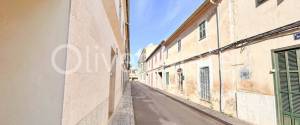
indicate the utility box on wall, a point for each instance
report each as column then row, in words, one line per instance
column 245, row 73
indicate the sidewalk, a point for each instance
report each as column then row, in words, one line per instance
column 124, row 113
column 215, row 114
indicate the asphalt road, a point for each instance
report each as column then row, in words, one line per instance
column 153, row 108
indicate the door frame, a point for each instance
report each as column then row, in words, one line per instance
column 112, row 83
column 276, row 80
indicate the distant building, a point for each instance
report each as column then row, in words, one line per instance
column 238, row 57
column 133, row 75
column 154, row 66
column 142, row 65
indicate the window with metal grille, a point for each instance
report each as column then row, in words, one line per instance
column 179, row 45
column 202, row 30
column 204, row 83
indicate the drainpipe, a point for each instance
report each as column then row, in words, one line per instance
column 219, row 56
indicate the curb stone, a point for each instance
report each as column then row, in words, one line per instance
column 124, row 114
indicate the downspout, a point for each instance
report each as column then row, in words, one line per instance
column 219, row 56
column 232, row 38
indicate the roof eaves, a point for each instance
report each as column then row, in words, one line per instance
column 187, row 21
column 160, row 44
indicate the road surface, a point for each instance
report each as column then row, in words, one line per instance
column 153, row 108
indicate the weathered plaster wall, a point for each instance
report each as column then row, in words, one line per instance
column 257, row 59
column 259, row 113
column 238, row 20
column 87, row 90
column 191, row 44
column 244, row 21
column 249, row 20
column 31, row 91
column 191, row 81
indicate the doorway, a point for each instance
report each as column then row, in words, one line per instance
column 167, row 78
column 180, row 79
column 112, row 83
column 287, row 75
column 160, row 80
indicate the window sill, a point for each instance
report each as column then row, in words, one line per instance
column 201, row 39
column 204, row 100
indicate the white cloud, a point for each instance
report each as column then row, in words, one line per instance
column 150, row 44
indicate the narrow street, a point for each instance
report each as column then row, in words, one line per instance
column 154, row 108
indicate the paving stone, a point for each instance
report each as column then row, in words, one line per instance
column 124, row 113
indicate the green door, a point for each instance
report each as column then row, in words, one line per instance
column 287, row 63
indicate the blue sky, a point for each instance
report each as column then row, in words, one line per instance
column 152, row 21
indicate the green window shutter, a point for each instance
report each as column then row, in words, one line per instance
column 294, row 80
column 296, row 103
column 281, row 61
column 167, row 78
column 284, row 88
column 292, row 58
column 289, row 85
column 285, row 102
column 202, row 30
column 283, row 81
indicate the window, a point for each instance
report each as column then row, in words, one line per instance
column 179, row 45
column 259, row 2
column 204, row 84
column 167, row 78
column 167, row 54
column 160, row 55
column 202, row 30
column 151, row 63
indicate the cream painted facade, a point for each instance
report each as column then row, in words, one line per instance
column 238, row 49
column 142, row 64
column 32, row 91
column 154, row 63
